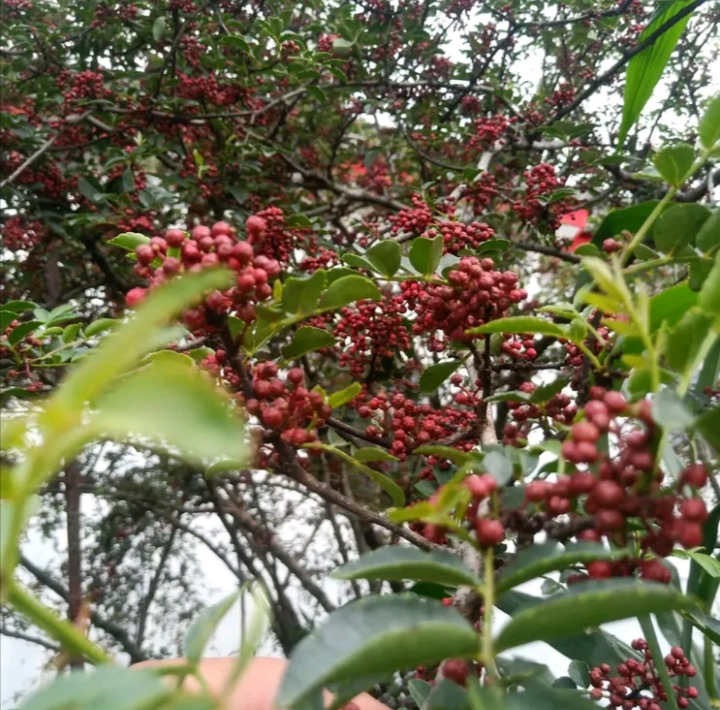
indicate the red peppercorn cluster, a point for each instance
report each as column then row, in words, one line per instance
column 408, row 423
column 321, row 259
column 415, row 220
column 481, row 192
column 18, row 235
column 475, row 295
column 540, row 181
column 458, row 236
column 287, row 406
column 271, row 237
column 373, row 331
column 325, row 43
column 637, row 683
column 487, row 131
column 574, row 355
column 207, row 247
column 624, row 486
column 518, row 348
column 82, row 85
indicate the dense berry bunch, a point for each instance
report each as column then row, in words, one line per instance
column 207, row 247
column 476, row 294
column 371, row 331
column 287, row 406
column 271, row 237
column 17, row 235
column 619, row 489
column 540, row 182
column 415, row 220
column 458, row 236
column 487, row 131
column 407, row 423
column 637, row 683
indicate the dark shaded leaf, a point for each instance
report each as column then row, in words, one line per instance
column 375, row 635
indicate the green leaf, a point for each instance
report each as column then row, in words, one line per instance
column 520, row 324
column 106, row 688
column 698, row 272
column 645, row 68
column 18, row 307
column 71, row 332
column 580, row 673
column 425, row 254
column 498, row 466
column 591, row 604
column 375, row 635
column 396, row 494
column 359, row 261
column 395, row 563
column 674, row 163
column 708, row 563
column 343, row 396
column 709, row 298
column 627, row 219
column 444, row 452
column 237, row 42
column 592, row 648
column 373, row 453
column 433, row 376
column 22, row 331
column 538, row 696
column 172, row 405
column 129, row 240
column 122, row 348
column 305, row 340
column 349, row 289
column 100, row 325
column 708, row 625
column 538, row 560
column 91, row 189
column 301, row 296
column 678, row 226
column 158, row 28
column 204, row 626
column 669, row 411
column 544, row 393
column 685, row 339
column 709, row 127
column 708, row 238
column 419, row 690
column 385, row 256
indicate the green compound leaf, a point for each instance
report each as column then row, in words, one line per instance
column 305, row 340
column 172, row 405
column 204, row 626
column 374, row 636
column 520, row 324
column 539, row 560
column 645, row 69
column 590, row 605
column 400, row 563
column 349, row 289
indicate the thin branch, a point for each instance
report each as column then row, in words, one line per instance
column 4, row 631
column 593, row 86
column 29, row 161
column 117, row 632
